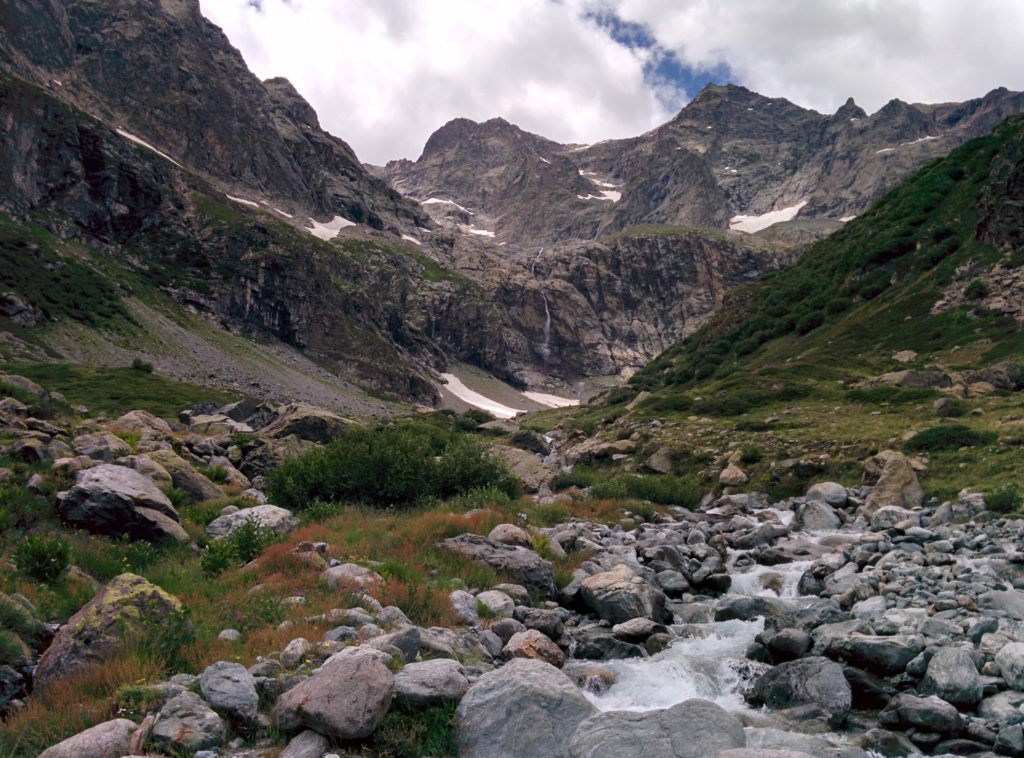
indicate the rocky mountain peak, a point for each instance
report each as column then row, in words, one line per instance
column 849, row 110
column 284, row 94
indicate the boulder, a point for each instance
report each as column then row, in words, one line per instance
column 128, row 609
column 187, row 723
column 524, row 708
column 270, row 453
column 272, row 517
column 116, row 500
column 307, row 744
column 817, row 516
column 691, row 729
column 101, row 447
column 231, row 691
column 829, row 492
column 534, row 644
column 886, row 656
column 510, row 534
column 464, row 607
column 150, row 468
column 345, row 700
column 928, row 714
column 525, row 566
column 896, row 483
column 953, row 676
column 1010, row 662
column 620, row 595
column 307, row 423
column 888, row 516
column 104, row 740
column 637, row 630
column 185, row 477
column 422, row 685
column 498, row 603
column 143, row 423
column 808, row 681
column 351, row 577
column 528, row 467
column 732, row 476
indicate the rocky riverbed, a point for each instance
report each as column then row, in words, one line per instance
column 844, row 622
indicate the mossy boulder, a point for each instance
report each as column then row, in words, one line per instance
column 129, row 610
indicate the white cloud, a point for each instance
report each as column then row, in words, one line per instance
column 383, row 75
column 819, row 53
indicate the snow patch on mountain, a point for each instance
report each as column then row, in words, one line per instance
column 329, row 230
column 454, row 385
column 139, row 141
column 751, row 224
column 432, row 200
column 243, row 201
column 551, row 401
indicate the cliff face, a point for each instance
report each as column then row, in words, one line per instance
column 730, row 152
column 159, row 70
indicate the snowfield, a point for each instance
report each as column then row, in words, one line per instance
column 138, row 141
column 751, row 224
column 551, row 401
column 454, row 385
column 329, row 230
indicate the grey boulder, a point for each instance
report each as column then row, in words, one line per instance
column 421, row 685
column 231, row 691
column 186, row 722
column 271, row 517
column 107, row 739
column 691, row 729
column 953, row 676
column 116, row 500
column 807, row 681
column 345, row 700
column 526, row 707
column 525, row 566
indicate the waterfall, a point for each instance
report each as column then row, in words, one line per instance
column 533, row 266
column 545, row 349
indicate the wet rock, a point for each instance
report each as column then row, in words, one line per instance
column 808, row 681
column 535, row 645
column 637, row 630
column 930, row 714
column 817, row 516
column 691, row 729
column 829, row 492
column 620, row 595
column 953, row 676
column 887, row 656
column 547, row 706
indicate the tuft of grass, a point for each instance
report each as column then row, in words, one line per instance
column 951, row 437
column 1006, row 499
column 42, row 558
column 408, row 733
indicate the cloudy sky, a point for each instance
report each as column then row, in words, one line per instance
column 384, row 74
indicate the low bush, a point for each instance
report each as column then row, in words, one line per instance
column 750, row 454
column 1006, row 499
column 952, row 437
column 12, row 650
column 141, row 366
column 402, row 464
column 216, row 474
column 976, row 290
column 244, row 544
column 219, row 557
column 22, row 509
column 664, row 489
column 42, row 558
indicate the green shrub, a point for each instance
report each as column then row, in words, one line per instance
column 22, row 509
column 141, row 366
column 250, row 538
column 44, row 559
column 1006, row 499
column 139, row 554
column 220, row 555
column 178, row 497
column 216, row 474
column 976, row 290
column 134, row 701
column 750, row 454
column 894, row 395
column 952, row 437
column 415, row 733
column 17, row 619
column 402, row 464
column 664, row 489
column 12, row 650
column 578, row 476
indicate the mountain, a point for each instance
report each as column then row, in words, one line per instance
column 190, row 214
column 902, row 330
column 729, row 153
